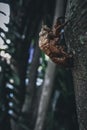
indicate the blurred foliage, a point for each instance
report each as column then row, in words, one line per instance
column 9, row 80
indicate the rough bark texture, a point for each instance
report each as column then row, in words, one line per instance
column 76, row 37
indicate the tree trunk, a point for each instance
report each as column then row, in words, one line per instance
column 45, row 96
column 31, row 88
column 76, row 37
column 49, row 76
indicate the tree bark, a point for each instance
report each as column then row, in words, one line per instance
column 76, row 37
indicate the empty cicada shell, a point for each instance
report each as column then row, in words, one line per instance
column 49, row 44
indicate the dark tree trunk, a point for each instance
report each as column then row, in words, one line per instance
column 30, row 98
column 76, row 37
